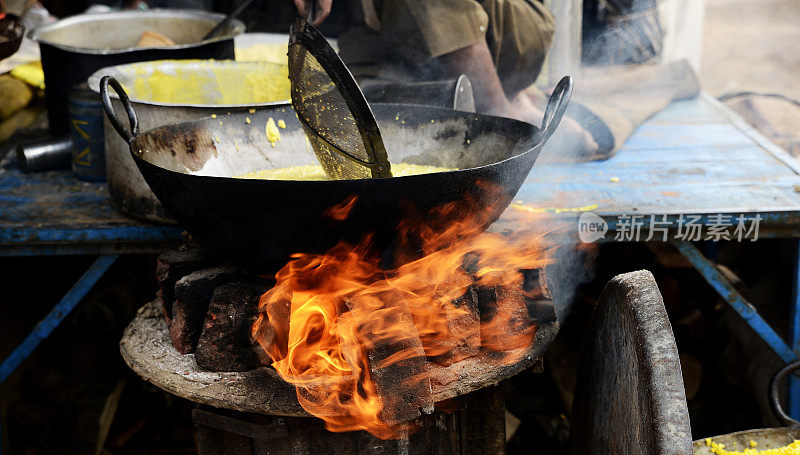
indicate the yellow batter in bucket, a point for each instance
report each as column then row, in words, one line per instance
column 209, row 82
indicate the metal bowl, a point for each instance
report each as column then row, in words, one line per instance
column 119, row 32
column 75, row 47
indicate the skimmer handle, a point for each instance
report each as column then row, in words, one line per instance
column 312, row 8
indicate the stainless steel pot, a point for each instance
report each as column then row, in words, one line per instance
column 129, row 192
column 75, row 47
column 764, row 438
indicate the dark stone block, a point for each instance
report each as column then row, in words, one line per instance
column 538, row 296
column 225, row 343
column 192, row 296
column 173, row 265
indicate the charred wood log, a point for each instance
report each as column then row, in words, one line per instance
column 464, row 331
column 400, row 372
column 504, row 315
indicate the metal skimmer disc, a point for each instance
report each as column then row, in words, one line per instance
column 338, row 121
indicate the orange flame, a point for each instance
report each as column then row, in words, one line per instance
column 359, row 341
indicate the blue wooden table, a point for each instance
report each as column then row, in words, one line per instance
column 53, row 213
column 696, row 164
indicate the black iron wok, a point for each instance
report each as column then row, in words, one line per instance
column 190, row 167
column 11, row 33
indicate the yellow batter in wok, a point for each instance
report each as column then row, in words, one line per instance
column 315, row 172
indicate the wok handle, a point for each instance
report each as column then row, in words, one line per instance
column 774, row 396
column 126, row 103
column 556, row 106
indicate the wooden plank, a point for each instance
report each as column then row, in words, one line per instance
column 666, row 199
column 55, row 213
column 55, row 199
column 690, row 111
column 694, row 157
column 630, row 397
column 681, row 136
column 754, row 134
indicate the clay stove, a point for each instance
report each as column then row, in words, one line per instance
column 194, row 341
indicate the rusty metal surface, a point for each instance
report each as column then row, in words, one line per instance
column 630, row 397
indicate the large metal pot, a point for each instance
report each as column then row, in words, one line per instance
column 129, row 192
column 77, row 46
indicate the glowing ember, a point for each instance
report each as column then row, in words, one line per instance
column 358, row 341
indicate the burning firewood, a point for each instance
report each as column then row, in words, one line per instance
column 505, row 321
column 502, row 302
column 364, row 334
column 464, row 329
column 399, row 369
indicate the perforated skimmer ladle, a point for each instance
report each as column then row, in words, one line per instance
column 335, row 115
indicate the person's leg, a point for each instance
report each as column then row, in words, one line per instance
column 406, row 37
column 416, row 40
column 519, row 35
column 375, row 62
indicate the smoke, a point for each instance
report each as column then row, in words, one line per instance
column 619, row 32
column 570, row 261
column 571, row 267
